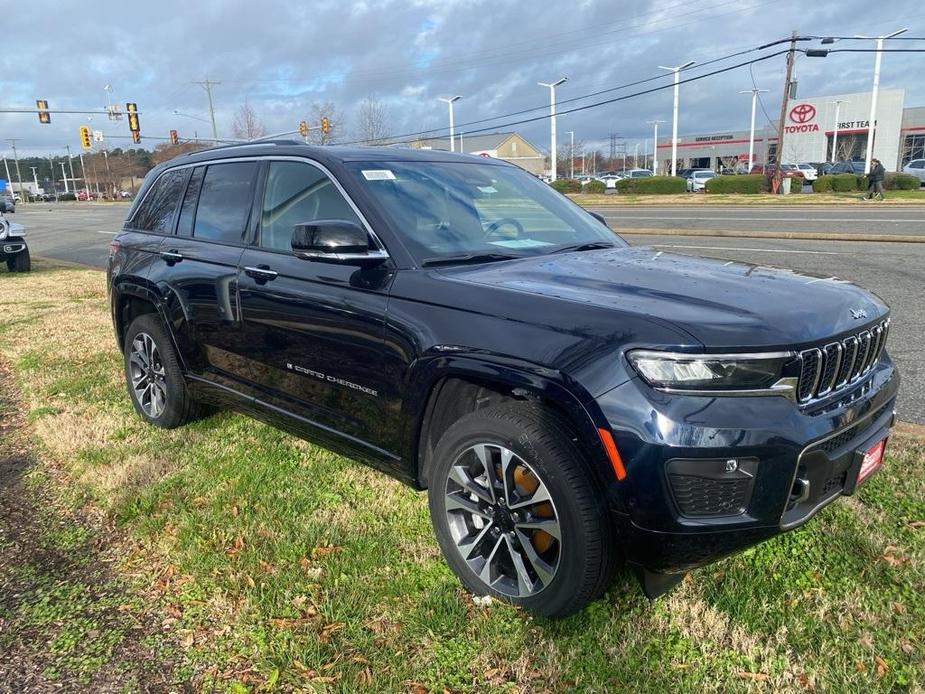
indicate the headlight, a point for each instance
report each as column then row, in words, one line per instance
column 720, row 372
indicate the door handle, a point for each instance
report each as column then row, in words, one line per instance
column 261, row 273
column 171, row 257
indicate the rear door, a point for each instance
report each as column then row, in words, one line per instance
column 198, row 268
column 313, row 330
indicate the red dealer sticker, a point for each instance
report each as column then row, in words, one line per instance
column 873, row 458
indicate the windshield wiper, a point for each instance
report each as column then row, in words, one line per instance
column 469, row 258
column 590, row 246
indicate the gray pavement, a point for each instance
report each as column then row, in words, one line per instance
column 869, row 218
column 80, row 232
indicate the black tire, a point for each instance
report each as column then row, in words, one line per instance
column 178, row 407
column 21, row 262
column 586, row 554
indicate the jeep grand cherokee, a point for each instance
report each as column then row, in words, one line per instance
column 566, row 400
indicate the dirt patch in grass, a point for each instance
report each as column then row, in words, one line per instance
column 67, row 623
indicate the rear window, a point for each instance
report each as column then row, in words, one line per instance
column 157, row 210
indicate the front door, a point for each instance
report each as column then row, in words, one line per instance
column 313, row 330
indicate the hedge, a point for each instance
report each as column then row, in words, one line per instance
column 750, row 184
column 657, row 185
column 844, row 183
column 596, row 187
column 902, row 181
column 566, row 185
column 823, row 184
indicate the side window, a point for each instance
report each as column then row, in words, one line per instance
column 188, row 209
column 225, row 201
column 920, row 164
column 156, row 211
column 297, row 193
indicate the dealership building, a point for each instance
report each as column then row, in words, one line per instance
column 810, row 131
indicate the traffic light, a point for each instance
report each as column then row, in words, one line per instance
column 174, row 138
column 303, row 128
column 44, row 115
column 86, row 140
column 325, row 125
column 134, row 124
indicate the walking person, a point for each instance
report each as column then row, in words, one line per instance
column 875, row 180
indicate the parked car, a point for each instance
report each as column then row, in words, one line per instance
column 809, row 172
column 786, row 170
column 686, row 173
column 697, row 181
column 13, row 248
column 822, row 167
column 610, row 179
column 564, row 398
column 7, row 201
column 916, row 167
column 855, row 167
column 637, row 173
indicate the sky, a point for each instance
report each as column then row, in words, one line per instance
column 280, row 57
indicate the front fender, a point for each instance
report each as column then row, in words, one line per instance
column 524, row 381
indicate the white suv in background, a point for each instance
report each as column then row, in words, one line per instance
column 809, row 171
column 916, row 167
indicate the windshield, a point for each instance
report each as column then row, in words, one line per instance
column 446, row 210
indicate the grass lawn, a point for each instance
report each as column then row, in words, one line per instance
column 279, row 566
column 893, row 197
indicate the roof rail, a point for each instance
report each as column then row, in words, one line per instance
column 234, row 145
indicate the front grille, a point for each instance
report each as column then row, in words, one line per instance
column 840, row 364
column 701, row 496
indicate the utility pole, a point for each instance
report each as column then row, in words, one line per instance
column 83, row 170
column 207, row 84
column 51, row 162
column 775, row 182
column 64, row 176
column 16, row 159
column 571, row 153
column 109, row 172
column 70, row 164
column 7, row 167
column 35, row 178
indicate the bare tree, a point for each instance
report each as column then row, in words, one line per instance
column 337, row 124
column 246, row 125
column 373, row 122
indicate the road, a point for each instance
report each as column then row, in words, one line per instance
column 849, row 219
column 80, row 232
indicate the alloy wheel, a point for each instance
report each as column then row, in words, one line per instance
column 503, row 520
column 148, row 377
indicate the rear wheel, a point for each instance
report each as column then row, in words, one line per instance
column 516, row 512
column 154, row 376
column 21, row 262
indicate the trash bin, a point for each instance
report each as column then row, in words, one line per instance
column 785, row 185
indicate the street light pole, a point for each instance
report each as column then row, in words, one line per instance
column 655, row 147
column 751, row 137
column 838, row 103
column 64, row 176
column 874, row 92
column 449, row 102
column 674, row 115
column 552, row 123
column 70, row 164
column 571, row 154
column 16, row 159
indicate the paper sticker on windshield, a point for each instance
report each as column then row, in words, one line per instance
column 488, row 189
column 378, row 175
column 520, row 243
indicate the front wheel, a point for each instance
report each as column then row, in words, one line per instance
column 21, row 262
column 516, row 512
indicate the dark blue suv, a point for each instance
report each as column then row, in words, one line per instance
column 569, row 402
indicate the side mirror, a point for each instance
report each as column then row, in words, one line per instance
column 335, row 241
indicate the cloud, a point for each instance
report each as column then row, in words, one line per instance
column 283, row 56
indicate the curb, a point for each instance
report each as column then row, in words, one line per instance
column 794, row 235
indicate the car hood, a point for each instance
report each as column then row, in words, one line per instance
column 722, row 304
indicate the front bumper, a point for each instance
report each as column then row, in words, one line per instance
column 709, row 476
